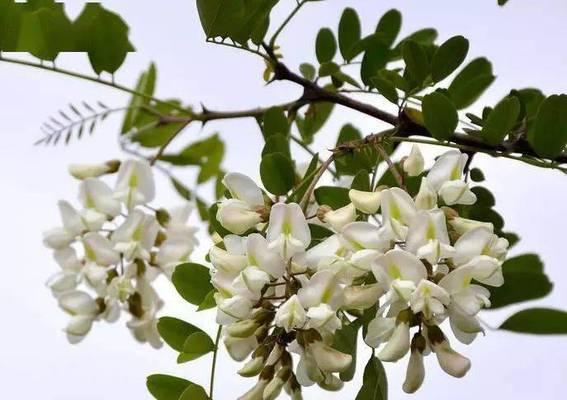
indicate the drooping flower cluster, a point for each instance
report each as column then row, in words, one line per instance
column 112, row 249
column 411, row 262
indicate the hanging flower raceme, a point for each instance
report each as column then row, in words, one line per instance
column 408, row 261
column 112, row 249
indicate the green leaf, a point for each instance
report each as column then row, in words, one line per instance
column 448, row 57
column 306, row 180
column 539, row 321
column 10, row 25
column 316, row 116
column 476, row 175
column 333, row 196
column 275, row 122
column 375, row 58
column 308, row 71
column 192, row 281
column 439, row 115
column 148, row 132
column 181, row 189
column 325, row 45
column 374, row 382
column 353, row 162
column 104, row 35
column 425, row 37
column 548, row 136
column 349, row 33
column 502, row 2
column 46, row 32
column 240, row 20
column 345, row 341
column 277, row 173
column 361, row 182
column 215, row 224
column 196, row 345
column 194, row 392
column 417, row 62
column 277, row 144
column 146, row 85
column 166, row 387
column 524, row 280
column 501, row 121
column 328, row 69
column 385, row 87
column 209, row 302
column 389, row 26
column 175, row 331
column 471, row 82
column 318, row 234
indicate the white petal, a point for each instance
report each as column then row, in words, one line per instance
column 323, row 287
column 237, row 216
column 366, row 202
column 329, row 359
column 426, row 198
column 261, row 256
column 398, row 344
column 243, row 188
column 363, row 235
column 414, row 164
column 379, row 330
column 448, row 167
column 96, row 194
column 450, row 361
column 78, row 303
column 239, row 348
column 415, row 373
column 291, row 314
column 341, row 217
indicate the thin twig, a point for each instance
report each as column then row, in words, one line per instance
column 305, row 200
column 214, row 363
column 393, row 169
column 168, row 141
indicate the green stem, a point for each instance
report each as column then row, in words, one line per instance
column 91, row 79
column 214, row 364
column 265, row 57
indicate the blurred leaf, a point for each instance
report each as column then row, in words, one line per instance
column 439, row 115
column 361, row 181
column 375, row 58
column 146, row 84
column 471, row 82
column 448, row 57
column 318, row 234
column 374, row 382
column 417, row 62
column 215, row 224
column 548, row 136
column 325, row 46
column 308, row 71
column 209, row 302
column 192, row 281
column 277, row 173
column 306, row 180
column 166, row 387
column 349, row 33
column 275, row 122
column 476, row 175
column 277, row 144
column 315, row 117
column 104, row 35
column 333, row 196
column 501, row 121
column 539, row 321
column 353, row 162
column 389, row 26
column 385, row 87
column 424, row 37
column 524, row 280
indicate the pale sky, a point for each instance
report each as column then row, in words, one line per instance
column 525, row 42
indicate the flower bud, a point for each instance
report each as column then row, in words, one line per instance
column 464, row 225
column 329, row 359
column 339, row 218
column 275, row 355
column 252, row 367
column 450, row 361
column 416, row 371
column 239, row 348
column 225, row 261
column 366, row 202
column 84, row 171
column 399, row 343
column 274, row 388
column 256, row 393
column 413, row 165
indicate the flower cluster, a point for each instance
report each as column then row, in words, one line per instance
column 112, row 249
column 415, row 265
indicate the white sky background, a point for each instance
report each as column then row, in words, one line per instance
column 525, row 42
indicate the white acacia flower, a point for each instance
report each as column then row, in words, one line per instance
column 323, row 318
column 260, row 255
column 428, row 237
column 479, row 241
column 136, row 236
column 172, row 252
column 323, row 287
column 288, row 231
column 449, row 360
column 364, row 235
column 457, row 192
column 240, row 348
column 380, row 329
column 232, row 309
column 83, row 310
column 99, row 250
column 337, row 219
column 415, row 373
column 73, row 226
column 95, row 195
column 365, row 202
column 464, row 225
column 429, row 299
column 256, row 392
column 250, row 282
column 291, row 314
column 240, row 213
column 398, row 344
column 135, row 183
column 362, row 297
column 176, row 226
column 398, row 265
column 448, row 167
column 145, row 330
column 398, row 211
column 328, row 359
column 413, row 165
column 426, row 198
